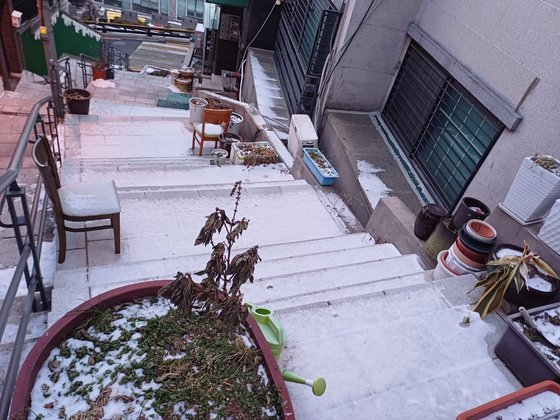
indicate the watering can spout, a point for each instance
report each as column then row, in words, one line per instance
column 318, row 385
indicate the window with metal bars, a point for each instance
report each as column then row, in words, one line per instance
column 306, row 32
column 443, row 129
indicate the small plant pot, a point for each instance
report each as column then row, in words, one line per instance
column 479, row 258
column 227, row 139
column 458, row 266
column 482, row 248
column 509, row 401
column 235, row 123
column 441, row 239
column 99, row 72
column 196, row 109
column 442, row 271
column 481, row 231
column 525, row 357
column 469, row 208
column 78, row 101
column 427, row 220
column 474, row 265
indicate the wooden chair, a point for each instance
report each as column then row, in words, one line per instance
column 214, row 123
column 77, row 202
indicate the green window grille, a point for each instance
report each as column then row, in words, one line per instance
column 443, row 129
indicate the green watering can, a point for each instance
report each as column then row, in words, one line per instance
column 276, row 338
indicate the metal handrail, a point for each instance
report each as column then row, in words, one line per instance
column 28, row 247
column 15, row 163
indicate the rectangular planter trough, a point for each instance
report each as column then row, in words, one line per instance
column 520, row 353
column 319, row 166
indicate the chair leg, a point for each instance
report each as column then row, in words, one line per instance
column 201, row 145
column 61, row 242
column 193, row 140
column 116, row 222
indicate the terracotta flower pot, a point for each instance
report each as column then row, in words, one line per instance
column 481, row 231
column 60, row 330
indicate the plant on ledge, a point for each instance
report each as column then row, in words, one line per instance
column 218, row 295
column 510, row 269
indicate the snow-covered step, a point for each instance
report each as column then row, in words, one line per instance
column 99, row 106
column 268, row 268
column 280, row 291
column 298, row 285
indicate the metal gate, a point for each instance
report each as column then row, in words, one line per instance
column 306, row 32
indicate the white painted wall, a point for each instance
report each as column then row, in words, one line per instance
column 506, row 43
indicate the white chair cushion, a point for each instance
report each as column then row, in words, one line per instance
column 210, row 130
column 87, row 199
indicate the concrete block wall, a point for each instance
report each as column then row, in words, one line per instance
column 513, row 46
column 364, row 74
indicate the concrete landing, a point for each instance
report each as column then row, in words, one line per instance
column 361, row 141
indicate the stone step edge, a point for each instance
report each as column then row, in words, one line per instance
column 122, row 119
column 277, row 276
column 275, row 304
column 206, row 252
column 202, row 189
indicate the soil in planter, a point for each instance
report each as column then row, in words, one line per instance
column 548, row 322
column 256, row 154
column 147, row 360
column 216, row 104
column 324, row 166
column 534, row 407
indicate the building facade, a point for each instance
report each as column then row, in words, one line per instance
column 467, row 89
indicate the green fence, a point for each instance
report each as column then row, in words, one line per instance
column 71, row 38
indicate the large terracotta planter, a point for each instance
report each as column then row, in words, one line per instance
column 58, row 332
column 508, row 400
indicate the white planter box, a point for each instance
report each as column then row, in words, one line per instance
column 532, row 193
column 238, row 153
column 550, row 232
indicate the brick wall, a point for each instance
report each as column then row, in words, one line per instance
column 10, row 39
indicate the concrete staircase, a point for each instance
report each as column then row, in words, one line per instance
column 389, row 340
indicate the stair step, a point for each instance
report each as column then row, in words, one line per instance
column 313, row 283
column 99, row 277
column 327, row 297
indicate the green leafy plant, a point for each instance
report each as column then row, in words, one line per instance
column 507, row 270
column 218, row 295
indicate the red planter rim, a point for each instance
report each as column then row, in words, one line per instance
column 507, row 400
column 55, row 334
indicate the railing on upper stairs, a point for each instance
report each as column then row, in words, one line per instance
column 60, row 80
column 111, row 57
column 28, row 222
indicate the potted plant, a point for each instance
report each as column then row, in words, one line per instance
column 161, row 349
column 534, row 402
column 77, row 101
column 99, row 70
column 527, row 273
column 252, row 154
column 534, row 189
column 530, row 346
column 320, row 167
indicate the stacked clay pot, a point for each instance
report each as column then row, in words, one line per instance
column 472, row 248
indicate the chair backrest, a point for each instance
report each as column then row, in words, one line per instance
column 217, row 116
column 44, row 159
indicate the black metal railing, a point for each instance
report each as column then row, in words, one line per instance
column 111, row 59
column 28, row 224
column 60, row 80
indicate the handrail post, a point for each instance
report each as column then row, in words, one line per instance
column 16, row 191
column 56, row 91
